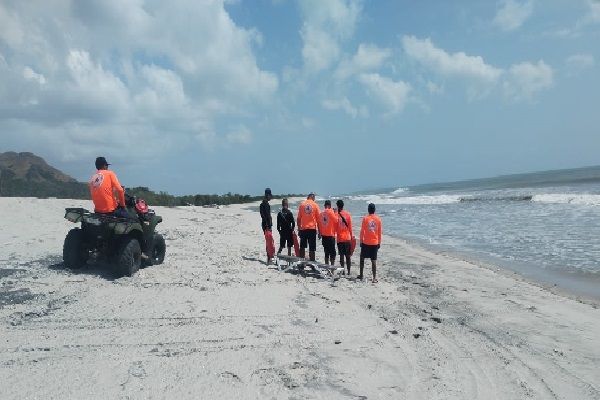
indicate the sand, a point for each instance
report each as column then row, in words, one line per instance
column 214, row 321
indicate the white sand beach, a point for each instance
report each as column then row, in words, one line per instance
column 215, row 322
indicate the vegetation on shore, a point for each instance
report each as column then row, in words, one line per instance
column 165, row 199
column 27, row 175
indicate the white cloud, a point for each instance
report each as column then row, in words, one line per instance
column 130, row 70
column 578, row 62
column 30, row 74
column 525, row 79
column 594, row 13
column 392, row 95
column 457, row 64
column 320, row 49
column 161, row 92
column 239, row 135
column 341, row 104
column 326, row 24
column 92, row 85
column 512, row 14
column 367, row 57
column 591, row 17
column 434, row 88
column 520, row 82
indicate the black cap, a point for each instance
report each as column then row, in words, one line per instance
column 371, row 208
column 101, row 162
column 268, row 192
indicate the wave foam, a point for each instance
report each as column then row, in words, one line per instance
column 400, row 190
column 581, row 199
column 413, row 200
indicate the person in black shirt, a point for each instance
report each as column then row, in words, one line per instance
column 267, row 224
column 285, row 227
column 265, row 211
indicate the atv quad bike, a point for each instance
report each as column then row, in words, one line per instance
column 115, row 240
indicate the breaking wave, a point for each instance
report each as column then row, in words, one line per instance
column 579, row 199
column 587, row 199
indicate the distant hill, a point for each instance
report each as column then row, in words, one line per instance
column 27, row 175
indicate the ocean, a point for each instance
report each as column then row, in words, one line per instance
column 544, row 225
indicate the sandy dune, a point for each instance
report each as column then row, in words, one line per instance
column 215, row 322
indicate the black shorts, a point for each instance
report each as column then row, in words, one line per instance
column 308, row 236
column 343, row 248
column 329, row 246
column 369, row 251
column 286, row 237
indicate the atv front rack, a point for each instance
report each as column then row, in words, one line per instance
column 81, row 214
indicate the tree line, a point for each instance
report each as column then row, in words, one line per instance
column 80, row 191
column 166, row 199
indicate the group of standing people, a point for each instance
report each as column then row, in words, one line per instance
column 331, row 226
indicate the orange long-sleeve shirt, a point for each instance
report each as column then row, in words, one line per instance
column 328, row 220
column 308, row 215
column 344, row 233
column 370, row 230
column 101, row 188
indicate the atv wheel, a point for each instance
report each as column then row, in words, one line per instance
column 159, row 248
column 75, row 251
column 129, row 257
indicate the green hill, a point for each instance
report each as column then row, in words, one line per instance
column 27, row 175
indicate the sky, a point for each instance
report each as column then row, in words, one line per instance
column 330, row 96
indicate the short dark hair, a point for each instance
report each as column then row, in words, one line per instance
column 371, row 208
column 327, row 203
column 340, row 204
column 101, row 162
column 268, row 192
column 284, row 202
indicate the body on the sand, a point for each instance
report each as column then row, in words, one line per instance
column 370, row 241
column 327, row 224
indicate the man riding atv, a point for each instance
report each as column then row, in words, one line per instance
column 103, row 186
column 120, row 233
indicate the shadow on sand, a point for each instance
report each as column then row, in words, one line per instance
column 101, row 270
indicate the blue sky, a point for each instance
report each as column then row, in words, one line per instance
column 212, row 96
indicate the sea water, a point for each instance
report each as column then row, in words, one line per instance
column 544, row 225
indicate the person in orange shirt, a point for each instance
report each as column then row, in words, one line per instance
column 344, row 234
column 307, row 219
column 103, row 186
column 328, row 220
column 370, row 241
